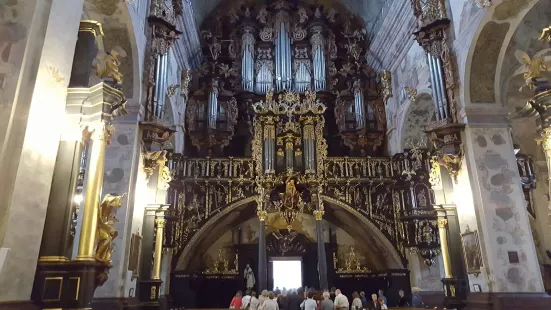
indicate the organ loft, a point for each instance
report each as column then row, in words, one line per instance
column 170, row 154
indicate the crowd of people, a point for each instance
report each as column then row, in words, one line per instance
column 310, row 299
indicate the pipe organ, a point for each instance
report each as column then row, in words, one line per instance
column 285, row 109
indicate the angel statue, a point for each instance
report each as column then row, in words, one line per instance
column 105, row 230
column 532, row 68
column 107, row 65
column 248, row 274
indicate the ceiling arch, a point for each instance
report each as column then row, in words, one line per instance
column 370, row 11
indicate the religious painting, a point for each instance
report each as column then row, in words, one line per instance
column 471, row 250
column 135, row 254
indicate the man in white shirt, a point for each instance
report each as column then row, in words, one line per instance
column 246, row 300
column 341, row 301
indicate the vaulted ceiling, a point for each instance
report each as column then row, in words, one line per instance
column 370, row 11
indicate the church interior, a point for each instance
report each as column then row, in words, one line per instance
column 166, row 154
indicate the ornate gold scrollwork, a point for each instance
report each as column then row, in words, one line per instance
column 448, row 144
column 222, row 262
column 152, row 160
column 352, row 263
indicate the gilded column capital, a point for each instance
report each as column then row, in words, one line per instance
column 92, row 26
column 318, row 214
column 101, row 131
column 262, row 214
column 442, row 223
column 160, row 222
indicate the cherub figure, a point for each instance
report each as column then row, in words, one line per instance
column 107, row 65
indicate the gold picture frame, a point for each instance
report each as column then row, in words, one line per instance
column 135, row 255
column 471, row 251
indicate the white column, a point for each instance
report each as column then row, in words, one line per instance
column 33, row 95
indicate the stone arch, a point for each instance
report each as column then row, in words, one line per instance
column 487, row 53
column 120, row 30
column 245, row 209
column 419, row 114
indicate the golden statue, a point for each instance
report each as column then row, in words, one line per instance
column 291, row 204
column 106, row 231
column 107, row 65
column 532, row 68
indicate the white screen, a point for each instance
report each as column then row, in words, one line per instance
column 287, row 274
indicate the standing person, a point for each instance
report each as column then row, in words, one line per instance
column 403, row 302
column 382, row 295
column 253, row 304
column 236, row 301
column 327, row 303
column 296, row 299
column 270, row 303
column 382, row 304
column 374, row 303
column 356, row 301
column 341, row 301
column 332, row 293
column 309, row 303
column 416, row 299
column 262, row 298
column 245, row 301
column 283, row 300
column 363, row 299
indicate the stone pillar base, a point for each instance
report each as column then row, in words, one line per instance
column 68, row 285
column 149, row 294
column 508, row 301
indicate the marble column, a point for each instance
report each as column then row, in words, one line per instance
column 39, row 59
column 506, row 243
column 322, row 257
column 262, row 259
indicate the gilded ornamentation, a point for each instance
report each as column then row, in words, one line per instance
column 291, row 205
column 483, row 3
column 546, row 35
column 106, row 231
column 171, row 90
column 532, row 68
column 352, row 263
column 54, row 73
column 186, row 79
column 221, row 265
column 152, row 160
column 411, row 94
column 386, row 86
column 107, row 65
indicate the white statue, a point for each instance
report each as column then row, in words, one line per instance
column 249, row 277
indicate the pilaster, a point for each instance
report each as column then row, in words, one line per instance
column 33, row 97
column 507, row 249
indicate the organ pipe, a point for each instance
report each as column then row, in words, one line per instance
column 318, row 54
column 439, row 70
column 213, row 105
column 435, row 88
column 247, row 64
column 269, row 147
column 359, row 107
column 283, row 59
column 302, row 78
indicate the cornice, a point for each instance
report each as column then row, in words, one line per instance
column 394, row 38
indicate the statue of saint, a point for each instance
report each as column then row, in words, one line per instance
column 249, row 277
